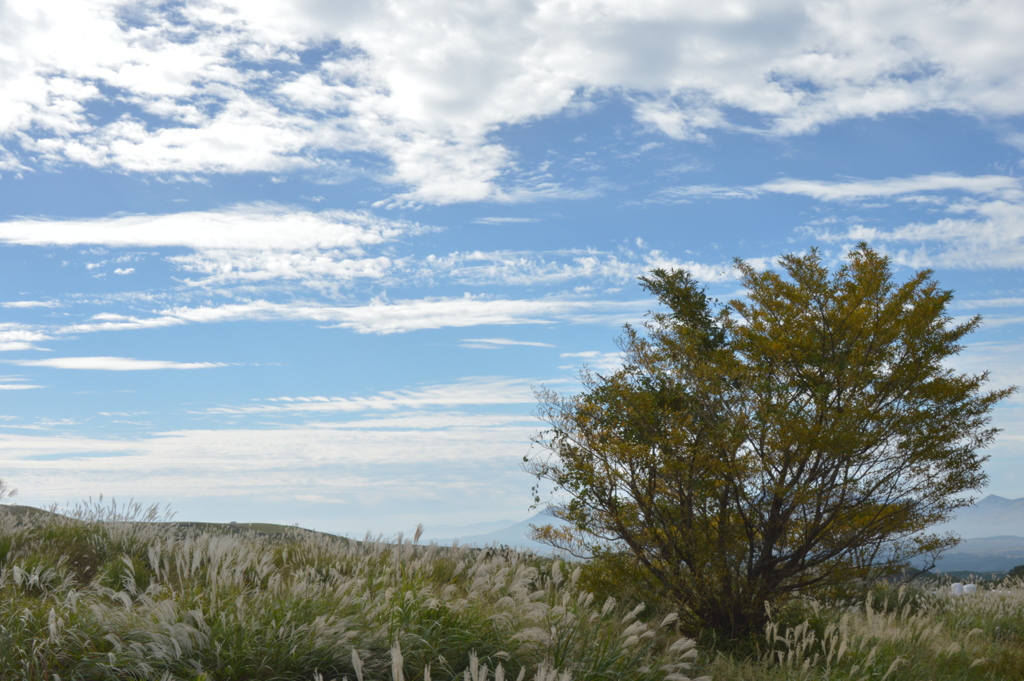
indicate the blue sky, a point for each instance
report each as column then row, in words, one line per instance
column 303, row 262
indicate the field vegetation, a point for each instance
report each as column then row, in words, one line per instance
column 102, row 593
column 109, row 593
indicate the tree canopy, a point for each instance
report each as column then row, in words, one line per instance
column 803, row 436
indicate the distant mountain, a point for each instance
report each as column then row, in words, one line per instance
column 992, row 516
column 988, row 554
column 993, row 530
column 445, row 533
column 512, row 534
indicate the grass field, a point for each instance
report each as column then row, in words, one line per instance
column 102, row 597
column 108, row 593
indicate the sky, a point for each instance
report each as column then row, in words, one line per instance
column 306, row 261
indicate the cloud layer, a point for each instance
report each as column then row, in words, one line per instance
column 239, row 245
column 249, row 246
column 231, row 87
column 384, row 470
column 983, row 227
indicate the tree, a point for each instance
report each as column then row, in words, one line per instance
column 802, row 437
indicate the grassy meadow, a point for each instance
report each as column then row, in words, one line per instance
column 108, row 593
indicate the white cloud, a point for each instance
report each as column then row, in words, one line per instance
column 596, row 360
column 114, row 322
column 219, row 87
column 985, row 228
column 681, row 121
column 256, row 244
column 974, row 303
column 111, row 364
column 1005, row 187
column 14, row 336
column 503, row 220
column 384, row 317
column 427, row 420
column 254, row 227
column 379, row 315
column 467, row 392
column 314, row 268
column 238, row 245
column 689, row 193
column 16, row 383
column 494, row 343
column 531, row 268
column 16, row 346
column 993, row 238
column 30, row 303
column 1015, row 140
column 1001, row 186
column 1001, row 360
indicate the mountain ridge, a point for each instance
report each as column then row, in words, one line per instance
column 992, row 530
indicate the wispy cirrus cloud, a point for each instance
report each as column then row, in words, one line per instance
column 596, row 360
column 975, row 303
column 992, row 238
column 378, row 316
column 1005, row 187
column 529, row 268
column 111, row 364
column 399, row 316
column 30, row 303
column 479, row 391
column 696, row 192
column 16, row 383
column 504, row 220
column 983, row 228
column 497, row 343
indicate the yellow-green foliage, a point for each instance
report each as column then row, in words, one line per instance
column 82, row 598
column 799, row 437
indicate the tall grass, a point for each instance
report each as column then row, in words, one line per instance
column 101, row 592
column 97, row 594
column 909, row 634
